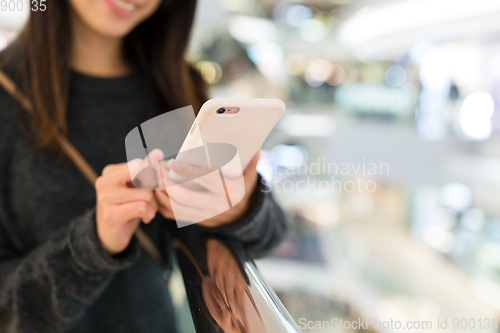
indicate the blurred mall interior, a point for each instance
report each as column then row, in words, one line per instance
column 387, row 158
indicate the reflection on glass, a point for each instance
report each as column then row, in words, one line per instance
column 225, row 290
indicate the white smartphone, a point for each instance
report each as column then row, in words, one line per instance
column 224, row 123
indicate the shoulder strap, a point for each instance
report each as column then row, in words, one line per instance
column 79, row 161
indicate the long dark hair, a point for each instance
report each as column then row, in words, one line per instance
column 156, row 48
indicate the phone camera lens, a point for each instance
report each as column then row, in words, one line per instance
column 221, row 110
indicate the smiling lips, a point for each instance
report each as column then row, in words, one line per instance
column 122, row 8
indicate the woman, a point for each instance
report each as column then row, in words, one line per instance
column 69, row 260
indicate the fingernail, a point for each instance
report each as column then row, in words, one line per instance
column 156, row 154
column 176, row 166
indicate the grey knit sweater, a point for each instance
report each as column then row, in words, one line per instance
column 54, row 276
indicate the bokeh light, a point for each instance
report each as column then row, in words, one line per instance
column 337, row 76
column 395, row 76
column 456, row 196
column 289, row 156
column 246, row 29
column 313, row 30
column 266, row 53
column 210, row 71
column 298, row 15
column 318, row 72
column 475, row 115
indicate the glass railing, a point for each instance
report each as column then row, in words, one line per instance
column 225, row 290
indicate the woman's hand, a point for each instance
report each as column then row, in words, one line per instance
column 194, row 206
column 120, row 206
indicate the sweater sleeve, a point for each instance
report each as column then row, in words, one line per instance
column 49, row 288
column 263, row 227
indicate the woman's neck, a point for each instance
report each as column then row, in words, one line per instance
column 96, row 55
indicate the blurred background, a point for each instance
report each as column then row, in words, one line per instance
column 387, row 158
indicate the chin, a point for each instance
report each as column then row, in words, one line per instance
column 114, row 30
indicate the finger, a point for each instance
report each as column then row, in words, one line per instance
column 155, row 155
column 166, row 213
column 119, row 174
column 126, row 174
column 163, row 198
column 126, row 195
column 211, row 203
column 134, row 167
column 143, row 173
column 182, row 204
column 165, row 206
column 199, row 175
column 120, row 170
column 133, row 224
column 153, row 161
column 152, row 201
column 136, row 209
column 188, row 214
column 110, row 168
column 202, row 200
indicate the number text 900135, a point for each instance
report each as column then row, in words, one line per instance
column 20, row 5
